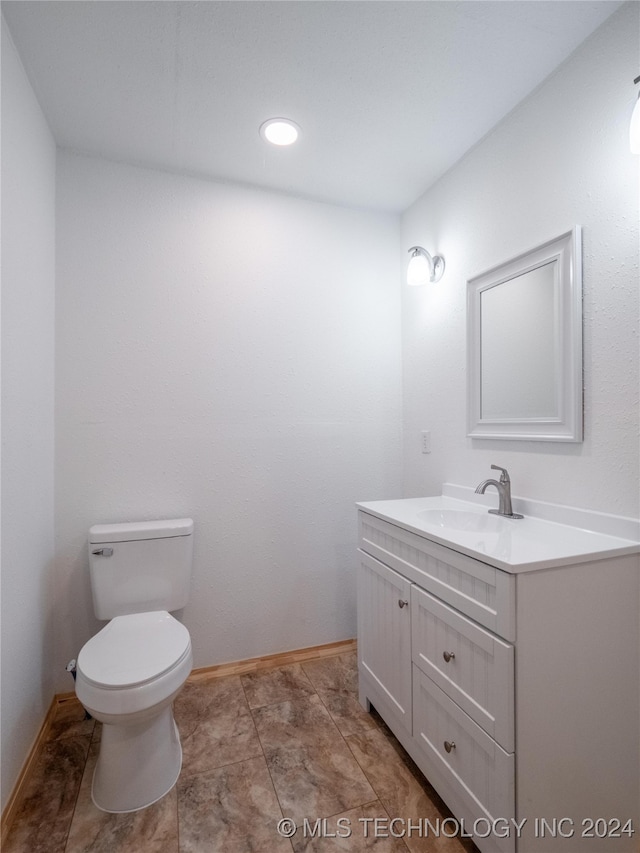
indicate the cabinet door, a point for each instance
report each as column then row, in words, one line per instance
column 384, row 640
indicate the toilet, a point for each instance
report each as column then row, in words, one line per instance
column 129, row 673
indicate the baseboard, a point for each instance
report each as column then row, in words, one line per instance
column 271, row 661
column 201, row 674
column 15, row 799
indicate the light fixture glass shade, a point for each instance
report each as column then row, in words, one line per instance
column 418, row 271
column 634, row 129
column 279, row 131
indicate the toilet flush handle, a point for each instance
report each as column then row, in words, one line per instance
column 103, row 552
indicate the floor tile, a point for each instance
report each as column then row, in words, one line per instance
column 313, row 771
column 356, row 831
column 150, row 830
column 336, row 682
column 231, row 809
column 43, row 821
column 70, row 721
column 271, row 686
column 404, row 792
column 215, row 724
column 334, row 673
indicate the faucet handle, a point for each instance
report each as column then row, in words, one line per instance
column 504, row 476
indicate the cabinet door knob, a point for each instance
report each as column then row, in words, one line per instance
column 449, row 745
column 448, row 656
column 402, row 603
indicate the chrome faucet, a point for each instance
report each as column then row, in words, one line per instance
column 504, row 493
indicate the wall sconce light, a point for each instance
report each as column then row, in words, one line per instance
column 422, row 267
column 634, row 128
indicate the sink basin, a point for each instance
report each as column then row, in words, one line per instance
column 458, row 519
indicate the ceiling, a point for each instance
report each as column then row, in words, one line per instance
column 389, row 93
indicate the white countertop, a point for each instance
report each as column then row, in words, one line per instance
column 514, row 545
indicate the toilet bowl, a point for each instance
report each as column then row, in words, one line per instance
column 127, row 677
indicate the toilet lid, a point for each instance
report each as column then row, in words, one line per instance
column 133, row 649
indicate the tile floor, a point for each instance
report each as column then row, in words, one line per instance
column 290, row 741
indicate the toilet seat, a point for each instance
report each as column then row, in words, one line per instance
column 133, row 650
column 133, row 665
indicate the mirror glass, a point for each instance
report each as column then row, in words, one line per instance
column 525, row 346
column 518, row 347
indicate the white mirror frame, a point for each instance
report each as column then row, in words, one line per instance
column 566, row 253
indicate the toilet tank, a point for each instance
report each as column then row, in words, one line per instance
column 139, row 567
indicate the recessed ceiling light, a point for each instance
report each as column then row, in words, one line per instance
column 279, row 131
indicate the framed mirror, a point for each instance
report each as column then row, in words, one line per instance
column 524, row 357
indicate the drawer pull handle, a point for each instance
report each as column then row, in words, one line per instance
column 448, row 656
column 449, row 745
column 402, row 603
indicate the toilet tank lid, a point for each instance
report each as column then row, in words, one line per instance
column 130, row 531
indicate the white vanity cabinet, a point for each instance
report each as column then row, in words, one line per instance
column 515, row 692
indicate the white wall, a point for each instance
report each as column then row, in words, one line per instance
column 28, row 259
column 561, row 158
column 232, row 355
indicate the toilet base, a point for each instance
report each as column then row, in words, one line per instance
column 138, row 763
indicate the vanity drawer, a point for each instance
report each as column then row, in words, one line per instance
column 471, row 665
column 478, row 772
column 478, row 590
